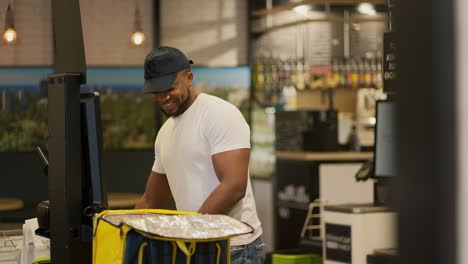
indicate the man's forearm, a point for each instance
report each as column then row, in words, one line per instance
column 145, row 202
column 141, row 203
column 222, row 199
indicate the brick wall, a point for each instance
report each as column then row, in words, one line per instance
column 211, row 32
column 34, row 27
column 107, row 27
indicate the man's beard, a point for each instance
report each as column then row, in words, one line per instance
column 181, row 108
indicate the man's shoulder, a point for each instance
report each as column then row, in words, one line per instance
column 208, row 98
column 217, row 105
column 168, row 124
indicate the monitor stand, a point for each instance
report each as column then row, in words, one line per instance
column 65, row 171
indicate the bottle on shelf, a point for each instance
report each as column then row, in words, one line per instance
column 300, row 82
column 354, row 74
column 335, row 79
column 307, row 76
column 362, row 73
column 379, row 80
column 258, row 76
column 349, row 73
column 367, row 74
column 342, row 73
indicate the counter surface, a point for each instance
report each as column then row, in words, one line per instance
column 324, row 156
column 9, row 204
column 122, row 200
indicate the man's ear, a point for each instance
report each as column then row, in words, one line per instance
column 190, row 78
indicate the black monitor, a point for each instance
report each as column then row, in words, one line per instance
column 385, row 142
column 385, row 167
column 94, row 193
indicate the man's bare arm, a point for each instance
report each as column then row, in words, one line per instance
column 157, row 193
column 231, row 168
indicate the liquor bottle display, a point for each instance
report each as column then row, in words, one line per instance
column 271, row 75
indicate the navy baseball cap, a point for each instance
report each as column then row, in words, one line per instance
column 161, row 68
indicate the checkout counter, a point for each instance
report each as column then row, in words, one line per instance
column 302, row 177
column 354, row 231
column 352, row 227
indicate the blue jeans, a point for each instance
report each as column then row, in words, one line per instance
column 248, row 254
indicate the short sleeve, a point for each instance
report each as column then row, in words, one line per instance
column 226, row 129
column 157, row 165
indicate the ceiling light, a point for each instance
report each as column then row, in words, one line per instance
column 302, row 9
column 138, row 37
column 366, row 9
column 9, row 33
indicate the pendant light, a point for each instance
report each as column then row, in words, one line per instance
column 138, row 37
column 366, row 9
column 9, row 33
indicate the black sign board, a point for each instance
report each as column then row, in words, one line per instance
column 390, row 63
column 338, row 243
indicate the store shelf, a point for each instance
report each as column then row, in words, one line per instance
column 324, row 156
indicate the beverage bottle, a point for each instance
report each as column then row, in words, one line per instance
column 362, row 73
column 379, row 80
column 354, row 74
column 300, row 75
column 335, row 82
column 342, row 73
column 367, row 74
column 349, row 73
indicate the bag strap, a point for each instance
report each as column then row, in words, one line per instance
column 228, row 251
column 218, row 253
column 188, row 251
column 174, row 252
column 140, row 252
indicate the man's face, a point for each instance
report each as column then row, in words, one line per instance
column 175, row 101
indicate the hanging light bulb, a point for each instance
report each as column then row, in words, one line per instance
column 138, row 37
column 9, row 33
column 366, row 9
column 302, row 9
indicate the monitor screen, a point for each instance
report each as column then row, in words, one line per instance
column 385, row 143
column 94, row 195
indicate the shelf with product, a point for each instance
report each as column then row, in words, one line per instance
column 323, row 65
column 278, row 81
column 328, row 46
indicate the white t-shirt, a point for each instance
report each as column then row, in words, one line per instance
column 183, row 151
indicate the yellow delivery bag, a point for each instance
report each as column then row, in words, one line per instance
column 150, row 236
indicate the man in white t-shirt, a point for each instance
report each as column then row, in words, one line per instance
column 201, row 152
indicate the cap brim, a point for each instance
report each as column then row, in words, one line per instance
column 159, row 84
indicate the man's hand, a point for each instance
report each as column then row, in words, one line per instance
column 157, row 193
